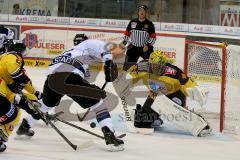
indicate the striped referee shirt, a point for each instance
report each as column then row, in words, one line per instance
column 140, row 33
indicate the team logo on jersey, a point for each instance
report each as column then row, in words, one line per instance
column 170, row 71
column 134, row 24
column 63, row 59
column 146, row 26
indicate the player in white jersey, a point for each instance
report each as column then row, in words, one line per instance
column 70, row 70
column 6, row 37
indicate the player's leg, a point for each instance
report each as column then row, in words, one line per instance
column 7, row 123
column 50, row 99
column 131, row 58
column 145, row 117
column 99, row 107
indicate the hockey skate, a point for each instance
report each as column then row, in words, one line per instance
column 144, row 122
column 25, row 129
column 113, row 143
column 3, row 147
column 207, row 131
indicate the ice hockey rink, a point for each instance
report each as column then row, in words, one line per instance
column 167, row 143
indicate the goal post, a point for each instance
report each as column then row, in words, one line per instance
column 210, row 65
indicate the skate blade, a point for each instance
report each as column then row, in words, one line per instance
column 112, row 148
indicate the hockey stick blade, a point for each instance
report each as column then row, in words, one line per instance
column 43, row 117
column 122, row 135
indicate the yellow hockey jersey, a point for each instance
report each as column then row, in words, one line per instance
column 12, row 71
column 172, row 80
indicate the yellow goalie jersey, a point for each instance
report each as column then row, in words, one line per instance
column 172, row 80
column 13, row 74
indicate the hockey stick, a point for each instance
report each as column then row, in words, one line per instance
column 85, row 130
column 47, row 121
column 86, row 113
column 80, row 128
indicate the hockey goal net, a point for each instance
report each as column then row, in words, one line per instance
column 217, row 68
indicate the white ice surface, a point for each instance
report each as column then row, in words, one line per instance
column 168, row 143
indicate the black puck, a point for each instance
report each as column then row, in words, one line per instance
column 92, row 124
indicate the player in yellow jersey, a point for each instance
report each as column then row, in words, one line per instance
column 13, row 80
column 173, row 86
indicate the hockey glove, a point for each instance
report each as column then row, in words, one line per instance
column 38, row 94
column 16, row 87
column 111, row 71
column 198, row 94
column 23, row 103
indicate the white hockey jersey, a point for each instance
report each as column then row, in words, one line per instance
column 78, row 58
column 5, row 33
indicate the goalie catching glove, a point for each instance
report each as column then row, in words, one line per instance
column 111, row 71
column 23, row 103
column 198, row 94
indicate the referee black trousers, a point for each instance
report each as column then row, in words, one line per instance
column 133, row 54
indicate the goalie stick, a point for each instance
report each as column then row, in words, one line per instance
column 122, row 86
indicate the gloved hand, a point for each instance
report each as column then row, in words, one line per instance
column 198, row 94
column 23, row 103
column 38, row 94
column 16, row 88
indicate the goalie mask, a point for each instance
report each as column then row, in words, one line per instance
column 157, row 61
column 79, row 38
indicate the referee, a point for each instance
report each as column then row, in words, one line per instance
column 141, row 34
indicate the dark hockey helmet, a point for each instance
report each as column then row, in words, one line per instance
column 19, row 48
column 79, row 38
column 8, row 44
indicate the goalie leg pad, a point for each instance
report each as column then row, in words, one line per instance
column 182, row 117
